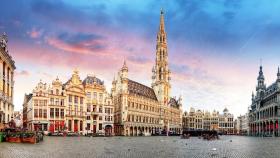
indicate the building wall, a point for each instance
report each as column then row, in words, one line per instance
column 75, row 104
column 56, row 110
column 7, row 67
column 37, row 108
column 264, row 113
column 100, row 109
column 71, row 107
column 200, row 120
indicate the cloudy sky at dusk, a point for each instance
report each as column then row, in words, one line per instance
column 214, row 46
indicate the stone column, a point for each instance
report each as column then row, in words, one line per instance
column 72, row 125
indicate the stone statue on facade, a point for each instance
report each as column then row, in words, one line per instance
column 4, row 41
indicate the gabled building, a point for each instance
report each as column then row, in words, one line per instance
column 56, row 106
column 100, row 109
column 75, row 104
column 204, row 120
column 35, row 108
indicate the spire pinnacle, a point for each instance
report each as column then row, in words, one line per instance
column 261, row 76
column 124, row 67
column 278, row 75
column 161, row 28
column 124, row 62
column 76, row 71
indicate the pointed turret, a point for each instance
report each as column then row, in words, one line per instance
column 124, row 67
column 161, row 26
column 278, row 75
column 261, row 86
column 124, row 70
column 261, row 76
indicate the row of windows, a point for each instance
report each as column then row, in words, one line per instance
column 57, row 101
column 108, row 110
column 94, row 126
column 40, row 93
column 225, row 124
column 144, row 119
column 56, row 92
column 38, row 102
column 94, row 108
column 53, row 101
column 108, row 118
column 270, row 100
column 142, row 107
column 55, row 112
column 76, row 99
column 94, row 96
column 40, row 113
column 75, row 110
column 100, row 118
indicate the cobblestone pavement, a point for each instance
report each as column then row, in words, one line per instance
column 122, row 147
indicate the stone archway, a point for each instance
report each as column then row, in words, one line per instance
column 135, row 131
column 131, row 132
column 108, row 130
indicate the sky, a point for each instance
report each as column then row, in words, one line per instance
column 214, row 47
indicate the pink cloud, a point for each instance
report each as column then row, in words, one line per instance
column 35, row 33
column 22, row 73
column 80, row 48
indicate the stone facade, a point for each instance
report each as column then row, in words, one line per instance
column 71, row 106
column 264, row 113
column 100, row 110
column 200, row 120
column 35, row 108
column 143, row 110
column 7, row 67
column 56, row 111
column 242, row 125
column 75, row 104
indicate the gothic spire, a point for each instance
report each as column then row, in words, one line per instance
column 261, row 84
column 161, row 26
column 261, row 76
column 124, row 67
column 161, row 72
column 278, row 75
